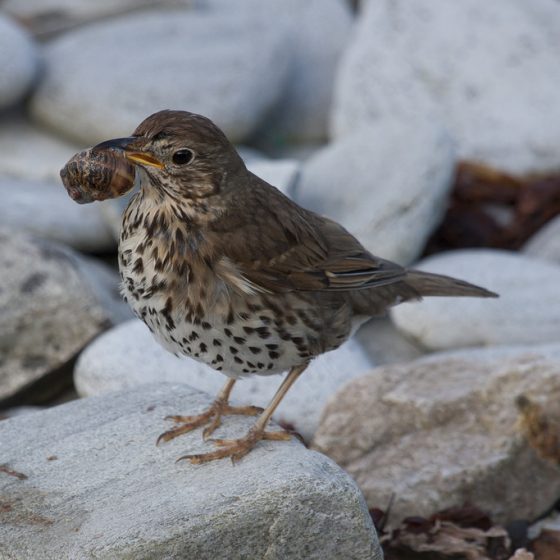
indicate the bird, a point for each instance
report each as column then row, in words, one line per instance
column 224, row 268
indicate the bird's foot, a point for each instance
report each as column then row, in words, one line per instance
column 212, row 416
column 236, row 448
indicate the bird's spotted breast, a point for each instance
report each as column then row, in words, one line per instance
column 191, row 313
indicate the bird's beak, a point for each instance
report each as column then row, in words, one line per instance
column 131, row 151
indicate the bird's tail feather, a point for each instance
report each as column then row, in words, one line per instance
column 429, row 284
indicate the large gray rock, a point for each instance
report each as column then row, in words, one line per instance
column 387, row 184
column 18, row 60
column 102, row 81
column 442, row 431
column 488, row 69
column 52, row 303
column 96, row 486
column 545, row 244
column 527, row 311
column 45, row 209
column 128, row 356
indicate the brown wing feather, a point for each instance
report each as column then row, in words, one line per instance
column 294, row 249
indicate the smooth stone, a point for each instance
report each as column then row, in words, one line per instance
column 101, row 82
column 282, row 174
column 545, row 244
column 44, row 209
column 385, row 344
column 49, row 308
column 128, row 356
column 45, row 17
column 527, row 311
column 31, row 153
column 97, row 486
column 18, row 60
column 500, row 102
column 442, row 431
column 387, row 184
column 318, row 32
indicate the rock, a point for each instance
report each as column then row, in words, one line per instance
column 128, row 356
column 101, row 81
column 84, row 472
column 318, row 32
column 31, row 153
column 403, row 62
column 18, row 60
column 386, row 184
column 282, row 174
column 385, row 344
column 48, row 310
column 527, row 311
column 545, row 244
column 46, row 17
column 46, row 210
column 442, row 431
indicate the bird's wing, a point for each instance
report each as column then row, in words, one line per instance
column 283, row 247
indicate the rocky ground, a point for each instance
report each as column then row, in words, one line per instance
column 430, row 130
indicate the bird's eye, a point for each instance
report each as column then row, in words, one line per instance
column 182, row 157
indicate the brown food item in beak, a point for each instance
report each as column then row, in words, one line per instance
column 97, row 174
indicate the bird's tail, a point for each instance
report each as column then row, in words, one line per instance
column 429, row 284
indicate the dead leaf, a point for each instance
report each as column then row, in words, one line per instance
column 547, row 545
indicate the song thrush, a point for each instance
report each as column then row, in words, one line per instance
column 224, row 268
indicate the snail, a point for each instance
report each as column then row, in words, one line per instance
column 97, row 174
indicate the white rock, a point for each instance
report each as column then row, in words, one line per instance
column 76, row 11
column 31, row 153
column 282, row 174
column 387, row 184
column 318, row 32
column 441, row 431
column 46, row 210
column 18, row 61
column 47, row 311
column 101, row 81
column 385, row 344
column 545, row 244
column 488, row 69
column 96, row 486
column 527, row 311
column 128, row 356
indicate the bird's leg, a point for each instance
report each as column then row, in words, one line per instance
column 212, row 415
column 238, row 448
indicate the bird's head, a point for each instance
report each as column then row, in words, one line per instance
column 181, row 154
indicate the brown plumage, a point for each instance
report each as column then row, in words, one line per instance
column 224, row 268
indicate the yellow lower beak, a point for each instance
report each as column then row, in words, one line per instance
column 144, row 159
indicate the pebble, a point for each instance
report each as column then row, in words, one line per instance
column 44, row 209
column 101, row 82
column 18, row 60
column 388, row 184
column 527, row 311
column 50, row 308
column 442, row 431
